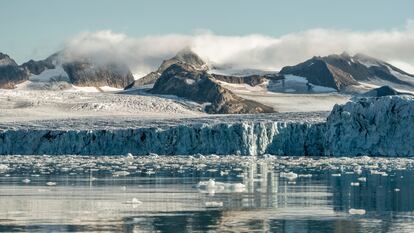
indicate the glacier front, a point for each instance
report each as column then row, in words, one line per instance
column 368, row 126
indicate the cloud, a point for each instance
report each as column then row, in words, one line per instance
column 255, row 51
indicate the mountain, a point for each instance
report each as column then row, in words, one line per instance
column 383, row 91
column 11, row 74
column 184, row 56
column 342, row 71
column 57, row 70
column 84, row 74
column 184, row 80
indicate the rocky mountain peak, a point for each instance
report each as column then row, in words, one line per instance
column 183, row 80
column 5, row 60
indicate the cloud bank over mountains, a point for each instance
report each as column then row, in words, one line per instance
column 255, row 51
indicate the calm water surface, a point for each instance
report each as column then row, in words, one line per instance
column 174, row 194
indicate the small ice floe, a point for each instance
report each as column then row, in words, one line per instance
column 211, row 186
column 51, row 183
column 3, row 168
column 120, row 173
column 134, row 202
column 354, row 184
column 376, row 172
column 150, row 172
column 396, row 190
column 336, row 175
column 213, row 204
column 305, row 175
column 26, row 181
column 357, row 211
column 224, row 173
column 292, row 182
column 362, row 179
column 289, row 175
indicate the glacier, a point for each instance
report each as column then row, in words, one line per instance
column 367, row 126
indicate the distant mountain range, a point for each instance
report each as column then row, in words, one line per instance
column 82, row 72
column 187, row 75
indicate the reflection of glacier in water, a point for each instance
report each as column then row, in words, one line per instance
column 156, row 193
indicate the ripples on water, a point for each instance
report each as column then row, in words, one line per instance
column 174, row 194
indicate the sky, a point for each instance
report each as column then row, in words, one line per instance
column 36, row 29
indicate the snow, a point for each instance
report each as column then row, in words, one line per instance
column 18, row 105
column 50, row 75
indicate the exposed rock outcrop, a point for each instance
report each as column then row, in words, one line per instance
column 251, row 80
column 183, row 80
column 37, row 67
column 89, row 74
column 383, row 91
column 10, row 73
column 341, row 71
column 184, row 56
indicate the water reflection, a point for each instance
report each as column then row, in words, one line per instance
column 279, row 195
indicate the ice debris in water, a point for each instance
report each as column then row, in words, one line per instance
column 121, row 173
column 3, row 168
column 51, row 183
column 213, row 204
column 289, row 175
column 357, row 211
column 362, row 179
column 26, row 181
column 354, row 184
column 212, row 186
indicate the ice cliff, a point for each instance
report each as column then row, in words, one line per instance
column 372, row 126
column 368, row 126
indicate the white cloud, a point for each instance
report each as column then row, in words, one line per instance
column 145, row 54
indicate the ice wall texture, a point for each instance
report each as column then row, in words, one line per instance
column 226, row 138
column 370, row 126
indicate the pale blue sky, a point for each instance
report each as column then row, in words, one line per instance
column 35, row 29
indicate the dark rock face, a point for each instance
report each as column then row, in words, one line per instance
column 5, row 60
column 37, row 67
column 383, row 91
column 184, row 56
column 321, row 73
column 251, row 80
column 10, row 73
column 184, row 80
column 88, row 74
column 340, row 71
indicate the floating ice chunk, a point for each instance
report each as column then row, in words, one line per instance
column 336, row 175
column 26, row 181
column 354, row 184
column 51, row 183
column 213, row 204
column 120, row 173
column 289, row 175
column 357, row 211
column 305, row 175
column 396, row 190
column 362, row 179
column 3, row 168
column 211, row 186
column 136, row 201
column 238, row 187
